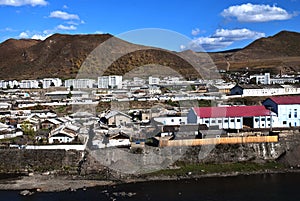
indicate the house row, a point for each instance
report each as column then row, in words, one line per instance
column 264, row 90
column 31, row 84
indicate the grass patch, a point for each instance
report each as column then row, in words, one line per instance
column 202, row 169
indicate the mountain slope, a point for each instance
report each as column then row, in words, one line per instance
column 278, row 53
column 62, row 56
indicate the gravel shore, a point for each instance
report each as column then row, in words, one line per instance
column 48, row 183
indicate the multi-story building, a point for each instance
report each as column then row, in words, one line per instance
column 8, row 84
column 287, row 109
column 79, row 83
column 49, row 82
column 110, row 82
column 261, row 79
column 154, row 80
column 29, row 84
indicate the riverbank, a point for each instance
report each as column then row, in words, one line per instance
column 49, row 183
column 56, row 183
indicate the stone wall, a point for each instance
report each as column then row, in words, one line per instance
column 19, row 160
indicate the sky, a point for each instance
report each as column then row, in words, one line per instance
column 213, row 25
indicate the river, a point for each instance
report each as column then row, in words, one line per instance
column 264, row 187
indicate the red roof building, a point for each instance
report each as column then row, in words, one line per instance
column 285, row 100
column 231, row 111
column 231, row 117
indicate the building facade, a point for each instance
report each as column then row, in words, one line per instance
column 110, row 82
column 232, row 117
column 287, row 109
column 51, row 82
column 80, row 83
column 262, row 78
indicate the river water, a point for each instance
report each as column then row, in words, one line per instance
column 274, row 187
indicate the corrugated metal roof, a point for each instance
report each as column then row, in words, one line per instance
column 231, row 111
column 286, row 100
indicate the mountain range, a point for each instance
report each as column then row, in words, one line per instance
column 64, row 56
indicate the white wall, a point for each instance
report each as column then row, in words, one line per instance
column 171, row 120
column 289, row 115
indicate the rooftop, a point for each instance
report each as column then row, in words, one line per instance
column 285, row 100
column 231, row 111
column 255, row 86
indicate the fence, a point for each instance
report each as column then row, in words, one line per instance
column 221, row 140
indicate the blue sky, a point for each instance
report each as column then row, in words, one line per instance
column 214, row 25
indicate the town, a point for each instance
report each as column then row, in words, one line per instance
column 51, row 113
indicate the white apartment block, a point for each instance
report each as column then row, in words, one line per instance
column 29, row 84
column 8, row 84
column 48, row 82
column 110, row 82
column 154, row 80
column 261, row 79
column 79, row 83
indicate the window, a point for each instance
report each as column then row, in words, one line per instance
column 268, row 119
column 284, row 122
column 206, row 121
column 238, row 120
column 172, row 120
column 219, row 121
column 231, row 120
column 225, row 121
column 213, row 121
column 256, row 119
column 263, row 119
column 295, row 113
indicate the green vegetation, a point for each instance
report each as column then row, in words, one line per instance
column 201, row 169
column 28, row 129
column 204, row 103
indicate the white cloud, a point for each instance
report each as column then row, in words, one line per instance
column 237, row 34
column 63, row 27
column 23, row 2
column 40, row 36
column 72, row 23
column 35, row 35
column 256, row 13
column 65, row 7
column 99, row 32
column 23, row 35
column 75, row 23
column 222, row 38
column 195, row 32
column 63, row 15
column 7, row 29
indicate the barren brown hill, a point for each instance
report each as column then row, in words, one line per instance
column 64, row 55
column 280, row 52
column 57, row 56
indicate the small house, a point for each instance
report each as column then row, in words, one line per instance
column 64, row 134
